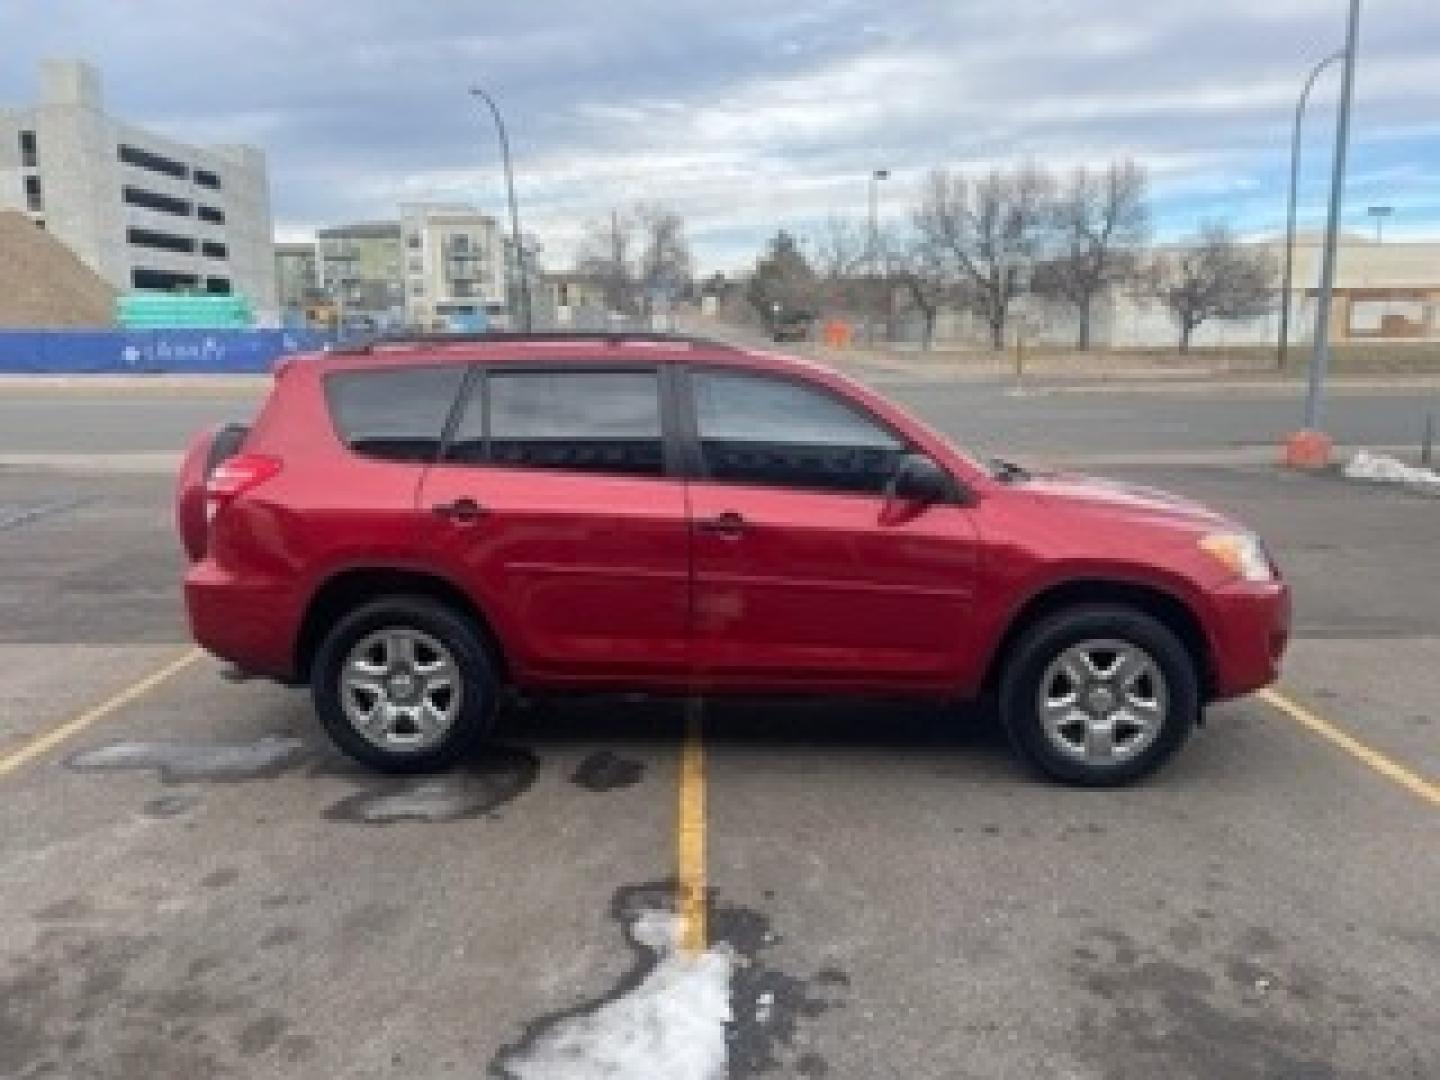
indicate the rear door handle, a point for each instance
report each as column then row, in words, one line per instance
column 730, row 523
column 461, row 511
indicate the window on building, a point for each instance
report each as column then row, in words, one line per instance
column 206, row 178
column 417, row 266
column 412, row 241
column 590, row 421
column 398, row 415
column 146, row 159
column 163, row 280
column 160, row 241
column 29, row 150
column 33, row 201
column 217, row 286
column 778, row 433
column 153, row 200
column 417, row 288
column 212, row 250
column 211, row 214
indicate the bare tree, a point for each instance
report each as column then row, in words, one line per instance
column 918, row 271
column 1212, row 278
column 607, row 253
column 665, row 263
column 1100, row 222
column 986, row 234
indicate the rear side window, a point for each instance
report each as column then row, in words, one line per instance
column 397, row 415
column 579, row 421
column 780, row 433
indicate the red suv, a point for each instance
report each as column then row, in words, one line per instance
column 412, row 527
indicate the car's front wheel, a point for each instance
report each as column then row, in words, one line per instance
column 404, row 684
column 1099, row 695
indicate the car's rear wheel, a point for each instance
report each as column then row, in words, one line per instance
column 404, row 684
column 1099, row 695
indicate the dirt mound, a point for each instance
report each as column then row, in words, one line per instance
column 44, row 284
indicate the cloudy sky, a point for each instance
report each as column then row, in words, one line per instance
column 752, row 114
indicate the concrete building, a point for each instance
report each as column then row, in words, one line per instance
column 359, row 267
column 143, row 211
column 454, row 266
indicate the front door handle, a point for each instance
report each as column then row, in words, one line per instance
column 730, row 523
column 461, row 511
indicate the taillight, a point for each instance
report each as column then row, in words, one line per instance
column 235, row 476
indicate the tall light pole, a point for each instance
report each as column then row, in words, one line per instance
column 875, row 178
column 1380, row 213
column 1285, row 288
column 1320, row 358
column 525, row 311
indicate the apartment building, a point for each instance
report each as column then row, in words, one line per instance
column 359, row 268
column 297, row 276
column 143, row 211
column 454, row 266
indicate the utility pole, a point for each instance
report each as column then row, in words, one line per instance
column 1285, row 289
column 875, row 178
column 1320, row 359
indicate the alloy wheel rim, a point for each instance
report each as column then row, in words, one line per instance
column 1103, row 701
column 401, row 689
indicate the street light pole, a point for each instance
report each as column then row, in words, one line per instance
column 477, row 92
column 1320, row 358
column 1285, row 288
column 1380, row 213
column 875, row 178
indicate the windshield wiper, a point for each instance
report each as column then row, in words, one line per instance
column 1007, row 471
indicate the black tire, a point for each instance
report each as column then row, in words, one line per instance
column 480, row 686
column 1044, row 642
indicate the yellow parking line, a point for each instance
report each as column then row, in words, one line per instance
column 1385, row 766
column 690, row 834
column 48, row 740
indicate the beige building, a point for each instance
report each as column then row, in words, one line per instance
column 359, row 266
column 297, row 276
column 141, row 210
column 1383, row 292
column 454, row 267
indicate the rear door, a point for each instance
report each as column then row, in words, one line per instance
column 557, row 507
column 806, row 574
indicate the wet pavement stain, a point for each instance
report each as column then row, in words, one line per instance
column 603, row 771
column 186, row 762
column 767, row 1005
column 1221, row 1005
column 169, row 806
column 477, row 789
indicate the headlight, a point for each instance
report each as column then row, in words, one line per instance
column 1241, row 552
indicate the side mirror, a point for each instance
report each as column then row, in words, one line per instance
column 919, row 480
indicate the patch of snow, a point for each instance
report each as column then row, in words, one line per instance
column 1369, row 466
column 671, row 1026
column 764, row 1006
column 178, row 761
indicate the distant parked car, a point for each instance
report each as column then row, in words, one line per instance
column 412, row 527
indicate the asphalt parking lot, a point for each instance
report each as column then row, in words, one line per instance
column 195, row 884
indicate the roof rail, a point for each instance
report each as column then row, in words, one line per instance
column 608, row 337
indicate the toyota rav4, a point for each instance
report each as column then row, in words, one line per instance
column 415, row 527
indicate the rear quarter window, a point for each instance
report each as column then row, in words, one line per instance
column 395, row 415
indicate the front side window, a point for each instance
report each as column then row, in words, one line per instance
column 780, row 433
column 579, row 421
column 395, row 415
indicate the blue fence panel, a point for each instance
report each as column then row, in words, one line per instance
column 75, row 352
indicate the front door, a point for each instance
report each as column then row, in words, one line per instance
column 555, row 509
column 806, row 575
